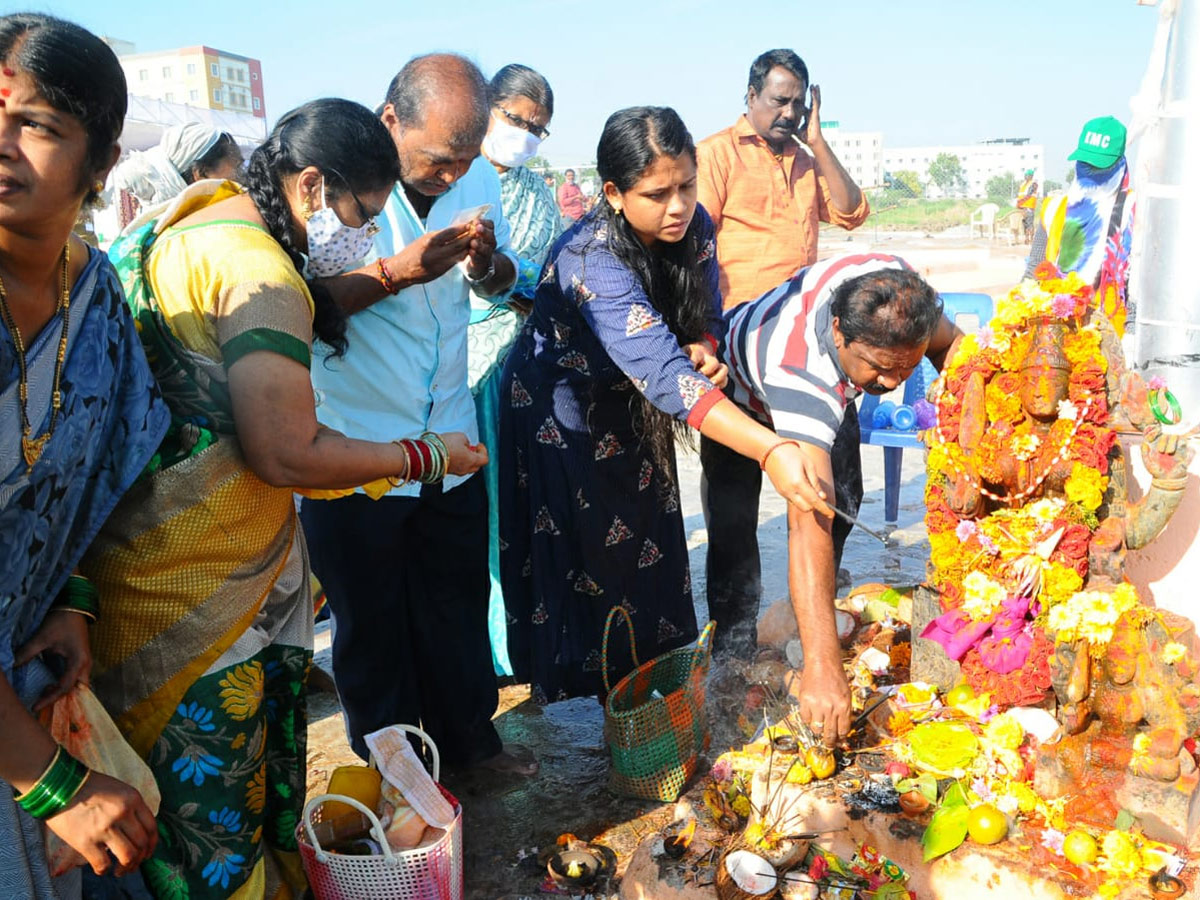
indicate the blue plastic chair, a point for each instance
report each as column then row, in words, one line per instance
column 969, row 312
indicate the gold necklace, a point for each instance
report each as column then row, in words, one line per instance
column 31, row 447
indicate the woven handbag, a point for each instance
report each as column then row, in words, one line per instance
column 434, row 872
column 654, row 721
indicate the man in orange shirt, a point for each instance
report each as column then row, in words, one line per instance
column 767, row 197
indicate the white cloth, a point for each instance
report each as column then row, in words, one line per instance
column 406, row 369
column 157, row 174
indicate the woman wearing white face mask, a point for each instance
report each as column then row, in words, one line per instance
column 206, row 636
column 522, row 104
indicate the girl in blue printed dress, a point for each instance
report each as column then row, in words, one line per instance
column 617, row 358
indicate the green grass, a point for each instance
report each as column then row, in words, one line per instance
column 891, row 213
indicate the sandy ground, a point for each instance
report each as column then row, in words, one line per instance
column 505, row 817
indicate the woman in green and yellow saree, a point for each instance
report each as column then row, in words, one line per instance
column 208, row 628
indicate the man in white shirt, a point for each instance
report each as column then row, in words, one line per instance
column 407, row 575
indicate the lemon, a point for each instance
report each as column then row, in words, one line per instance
column 959, row 694
column 1080, row 848
column 986, row 824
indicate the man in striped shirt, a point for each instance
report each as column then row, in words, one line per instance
column 797, row 357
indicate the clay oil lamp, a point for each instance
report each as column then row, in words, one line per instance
column 677, row 845
column 575, row 870
column 1165, row 886
column 913, row 803
column 785, row 743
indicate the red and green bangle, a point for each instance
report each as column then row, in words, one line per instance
column 79, row 596
column 57, row 787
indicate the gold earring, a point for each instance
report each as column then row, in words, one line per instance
column 98, row 186
column 306, row 210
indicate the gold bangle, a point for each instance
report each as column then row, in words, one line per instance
column 401, row 479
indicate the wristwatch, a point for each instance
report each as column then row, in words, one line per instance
column 491, row 270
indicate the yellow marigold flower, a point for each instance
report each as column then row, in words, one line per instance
column 981, row 596
column 1120, row 855
column 1086, row 486
column 242, row 691
column 968, row 348
column 741, row 805
column 1027, row 800
column 1173, row 652
column 1125, row 596
column 256, row 791
column 1000, row 404
column 755, row 833
column 1082, row 346
column 1059, row 584
column 1004, row 731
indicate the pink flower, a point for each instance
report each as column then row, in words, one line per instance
column 1052, row 839
column 965, row 529
column 1156, row 383
column 1005, row 654
column 722, row 770
column 956, row 631
column 985, row 336
column 988, row 714
column 988, row 544
column 981, row 790
column 1062, row 305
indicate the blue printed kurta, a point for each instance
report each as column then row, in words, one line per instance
column 587, row 522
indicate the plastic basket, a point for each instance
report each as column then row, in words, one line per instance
column 425, row 873
column 654, row 720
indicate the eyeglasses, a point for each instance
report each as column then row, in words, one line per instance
column 524, row 124
column 372, row 227
column 368, row 220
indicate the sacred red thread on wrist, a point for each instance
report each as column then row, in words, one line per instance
column 762, row 463
column 385, row 277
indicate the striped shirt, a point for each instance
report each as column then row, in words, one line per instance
column 783, row 365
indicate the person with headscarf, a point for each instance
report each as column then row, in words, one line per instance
column 186, row 153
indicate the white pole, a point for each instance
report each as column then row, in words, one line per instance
column 1164, row 286
column 1163, row 281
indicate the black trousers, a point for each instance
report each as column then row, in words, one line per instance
column 731, row 487
column 407, row 582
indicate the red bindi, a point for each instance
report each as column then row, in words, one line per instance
column 4, row 92
column 9, row 72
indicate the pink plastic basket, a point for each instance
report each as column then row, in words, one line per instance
column 426, row 873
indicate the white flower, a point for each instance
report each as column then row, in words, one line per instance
column 1067, row 410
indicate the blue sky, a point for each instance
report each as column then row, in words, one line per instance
column 920, row 71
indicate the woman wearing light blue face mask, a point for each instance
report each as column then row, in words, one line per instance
column 204, row 560
column 522, row 104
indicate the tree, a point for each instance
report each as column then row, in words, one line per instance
column 1051, row 185
column 538, row 163
column 907, row 178
column 947, row 173
column 1071, row 175
column 1001, row 189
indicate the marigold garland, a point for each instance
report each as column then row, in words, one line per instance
column 1028, row 556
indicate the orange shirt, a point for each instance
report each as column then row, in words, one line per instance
column 766, row 212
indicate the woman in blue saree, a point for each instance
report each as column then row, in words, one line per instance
column 79, row 419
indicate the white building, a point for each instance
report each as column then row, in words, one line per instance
column 980, row 162
column 859, row 152
column 197, row 76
